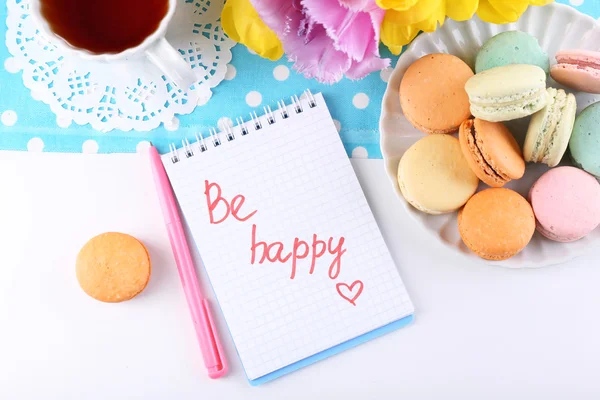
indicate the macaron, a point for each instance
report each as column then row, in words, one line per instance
column 508, row 92
column 496, row 223
column 584, row 144
column 578, row 69
column 491, row 151
column 113, row 267
column 550, row 129
column 434, row 176
column 432, row 93
column 512, row 47
column 566, row 203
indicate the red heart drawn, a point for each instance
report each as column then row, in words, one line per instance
column 350, row 288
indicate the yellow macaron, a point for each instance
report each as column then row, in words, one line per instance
column 434, row 176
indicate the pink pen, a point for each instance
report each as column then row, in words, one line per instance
column 212, row 352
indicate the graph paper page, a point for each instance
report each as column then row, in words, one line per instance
column 292, row 250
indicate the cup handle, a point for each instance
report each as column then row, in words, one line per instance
column 170, row 62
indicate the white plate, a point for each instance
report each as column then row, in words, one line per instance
column 556, row 27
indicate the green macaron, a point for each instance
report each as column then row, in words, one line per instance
column 585, row 140
column 512, row 47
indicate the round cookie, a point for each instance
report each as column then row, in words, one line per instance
column 512, row 47
column 566, row 203
column 432, row 93
column 496, row 223
column 434, row 176
column 113, row 267
column 584, row 144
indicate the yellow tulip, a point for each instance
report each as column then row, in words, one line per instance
column 401, row 27
column 501, row 11
column 404, row 19
column 506, row 11
column 395, row 34
column 461, row 10
column 242, row 24
column 419, row 12
column 398, row 5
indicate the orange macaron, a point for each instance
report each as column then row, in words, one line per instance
column 496, row 223
column 491, row 151
column 113, row 267
column 432, row 93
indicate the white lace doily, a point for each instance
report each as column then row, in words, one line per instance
column 132, row 94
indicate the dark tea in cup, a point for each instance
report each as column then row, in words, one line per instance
column 104, row 26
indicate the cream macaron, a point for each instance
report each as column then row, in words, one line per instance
column 434, row 176
column 508, row 92
column 550, row 129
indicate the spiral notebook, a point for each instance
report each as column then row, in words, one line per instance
column 295, row 258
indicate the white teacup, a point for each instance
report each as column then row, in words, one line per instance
column 158, row 50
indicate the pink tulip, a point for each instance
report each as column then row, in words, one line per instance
column 327, row 39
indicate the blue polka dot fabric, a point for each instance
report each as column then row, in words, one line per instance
column 27, row 124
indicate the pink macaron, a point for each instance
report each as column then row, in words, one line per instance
column 578, row 69
column 566, row 204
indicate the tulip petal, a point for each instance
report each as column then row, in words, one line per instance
column 242, row 24
column 315, row 58
column 398, row 5
column 540, row 2
column 501, row 11
column 511, row 9
column 489, row 14
column 352, row 32
column 394, row 34
column 358, row 5
column 359, row 70
column 318, row 58
column 421, row 11
column 461, row 10
column 431, row 23
column 405, row 18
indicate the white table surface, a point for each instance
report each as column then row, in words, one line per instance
column 480, row 331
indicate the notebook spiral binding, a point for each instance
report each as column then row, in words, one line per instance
column 244, row 127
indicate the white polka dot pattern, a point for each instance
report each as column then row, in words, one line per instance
column 224, row 122
column 35, row 145
column 142, row 146
column 253, row 98
column 385, row 74
column 360, row 152
column 281, row 72
column 231, row 72
column 90, row 147
column 360, row 101
column 338, row 125
column 11, row 65
column 63, row 122
column 9, row 118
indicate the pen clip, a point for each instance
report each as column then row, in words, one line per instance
column 220, row 368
